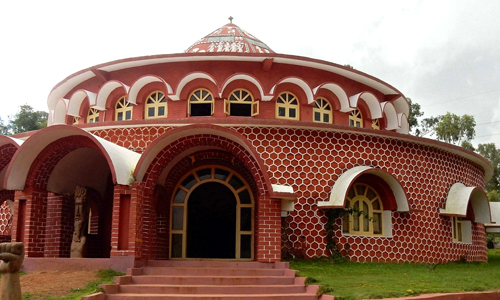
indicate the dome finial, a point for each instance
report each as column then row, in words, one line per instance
column 230, row 19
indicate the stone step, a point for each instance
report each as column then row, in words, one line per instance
column 211, row 297
column 182, row 271
column 211, row 289
column 212, row 280
column 216, row 264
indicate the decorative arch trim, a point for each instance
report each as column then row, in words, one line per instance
column 248, row 78
column 106, row 90
column 60, row 110
column 190, row 77
column 213, row 131
column 370, row 100
column 121, row 161
column 404, row 127
column 143, row 81
column 297, row 81
column 390, row 115
column 341, row 187
column 76, row 101
column 339, row 92
column 459, row 197
column 401, row 105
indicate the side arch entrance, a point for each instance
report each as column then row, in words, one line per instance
column 212, row 212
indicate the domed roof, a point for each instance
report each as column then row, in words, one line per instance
column 229, row 38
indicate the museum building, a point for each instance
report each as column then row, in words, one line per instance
column 232, row 151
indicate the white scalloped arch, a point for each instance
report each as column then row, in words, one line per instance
column 248, row 78
column 401, row 105
column 339, row 92
column 370, row 100
column 404, row 127
column 106, row 90
column 390, row 115
column 141, row 82
column 76, row 101
column 60, row 112
column 301, row 83
column 190, row 77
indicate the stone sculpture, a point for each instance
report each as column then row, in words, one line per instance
column 78, row 243
column 12, row 257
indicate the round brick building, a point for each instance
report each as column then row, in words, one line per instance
column 232, row 151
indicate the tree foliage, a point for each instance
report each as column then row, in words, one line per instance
column 415, row 113
column 27, row 119
column 456, row 129
column 4, row 129
column 491, row 153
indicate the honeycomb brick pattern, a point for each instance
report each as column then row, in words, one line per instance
column 311, row 161
column 5, row 220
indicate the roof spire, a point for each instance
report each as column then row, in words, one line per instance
column 230, row 19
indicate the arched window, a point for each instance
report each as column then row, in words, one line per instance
column 376, row 124
column 322, row 111
column 287, row 106
column 156, row 105
column 367, row 208
column 356, row 119
column 201, row 103
column 123, row 110
column 93, row 116
column 241, row 103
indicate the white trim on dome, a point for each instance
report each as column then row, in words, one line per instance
column 299, row 82
column 458, row 200
column 190, row 77
column 106, row 90
column 337, row 91
column 76, row 101
column 390, row 115
column 343, row 183
column 141, row 82
column 370, row 100
column 248, row 78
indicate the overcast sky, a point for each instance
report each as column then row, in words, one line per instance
column 444, row 55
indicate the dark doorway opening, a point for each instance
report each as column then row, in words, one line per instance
column 211, row 230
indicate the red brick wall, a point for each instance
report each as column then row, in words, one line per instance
column 60, row 225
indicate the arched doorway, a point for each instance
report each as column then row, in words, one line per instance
column 212, row 216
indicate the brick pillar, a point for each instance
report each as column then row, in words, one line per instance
column 60, row 215
column 34, row 221
column 268, row 230
column 124, row 238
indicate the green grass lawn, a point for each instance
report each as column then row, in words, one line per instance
column 352, row 281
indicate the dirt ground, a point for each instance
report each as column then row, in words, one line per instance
column 56, row 283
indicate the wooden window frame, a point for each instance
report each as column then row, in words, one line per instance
column 356, row 119
column 237, row 97
column 286, row 101
column 123, row 106
column 155, row 100
column 322, row 107
column 93, row 116
column 194, row 99
column 369, row 216
column 376, row 124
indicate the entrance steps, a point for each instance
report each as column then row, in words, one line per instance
column 209, row 280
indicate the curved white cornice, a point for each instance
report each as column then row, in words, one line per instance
column 459, row 197
column 187, row 79
column 106, row 90
column 370, row 100
column 339, row 92
column 301, row 83
column 76, row 101
column 141, row 82
column 248, row 78
column 390, row 115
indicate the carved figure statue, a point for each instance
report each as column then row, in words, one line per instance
column 12, row 257
column 78, row 243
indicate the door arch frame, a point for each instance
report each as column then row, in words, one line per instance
column 179, row 204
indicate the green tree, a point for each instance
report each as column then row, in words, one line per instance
column 456, row 129
column 493, row 196
column 491, row 153
column 27, row 119
column 415, row 113
column 4, row 129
